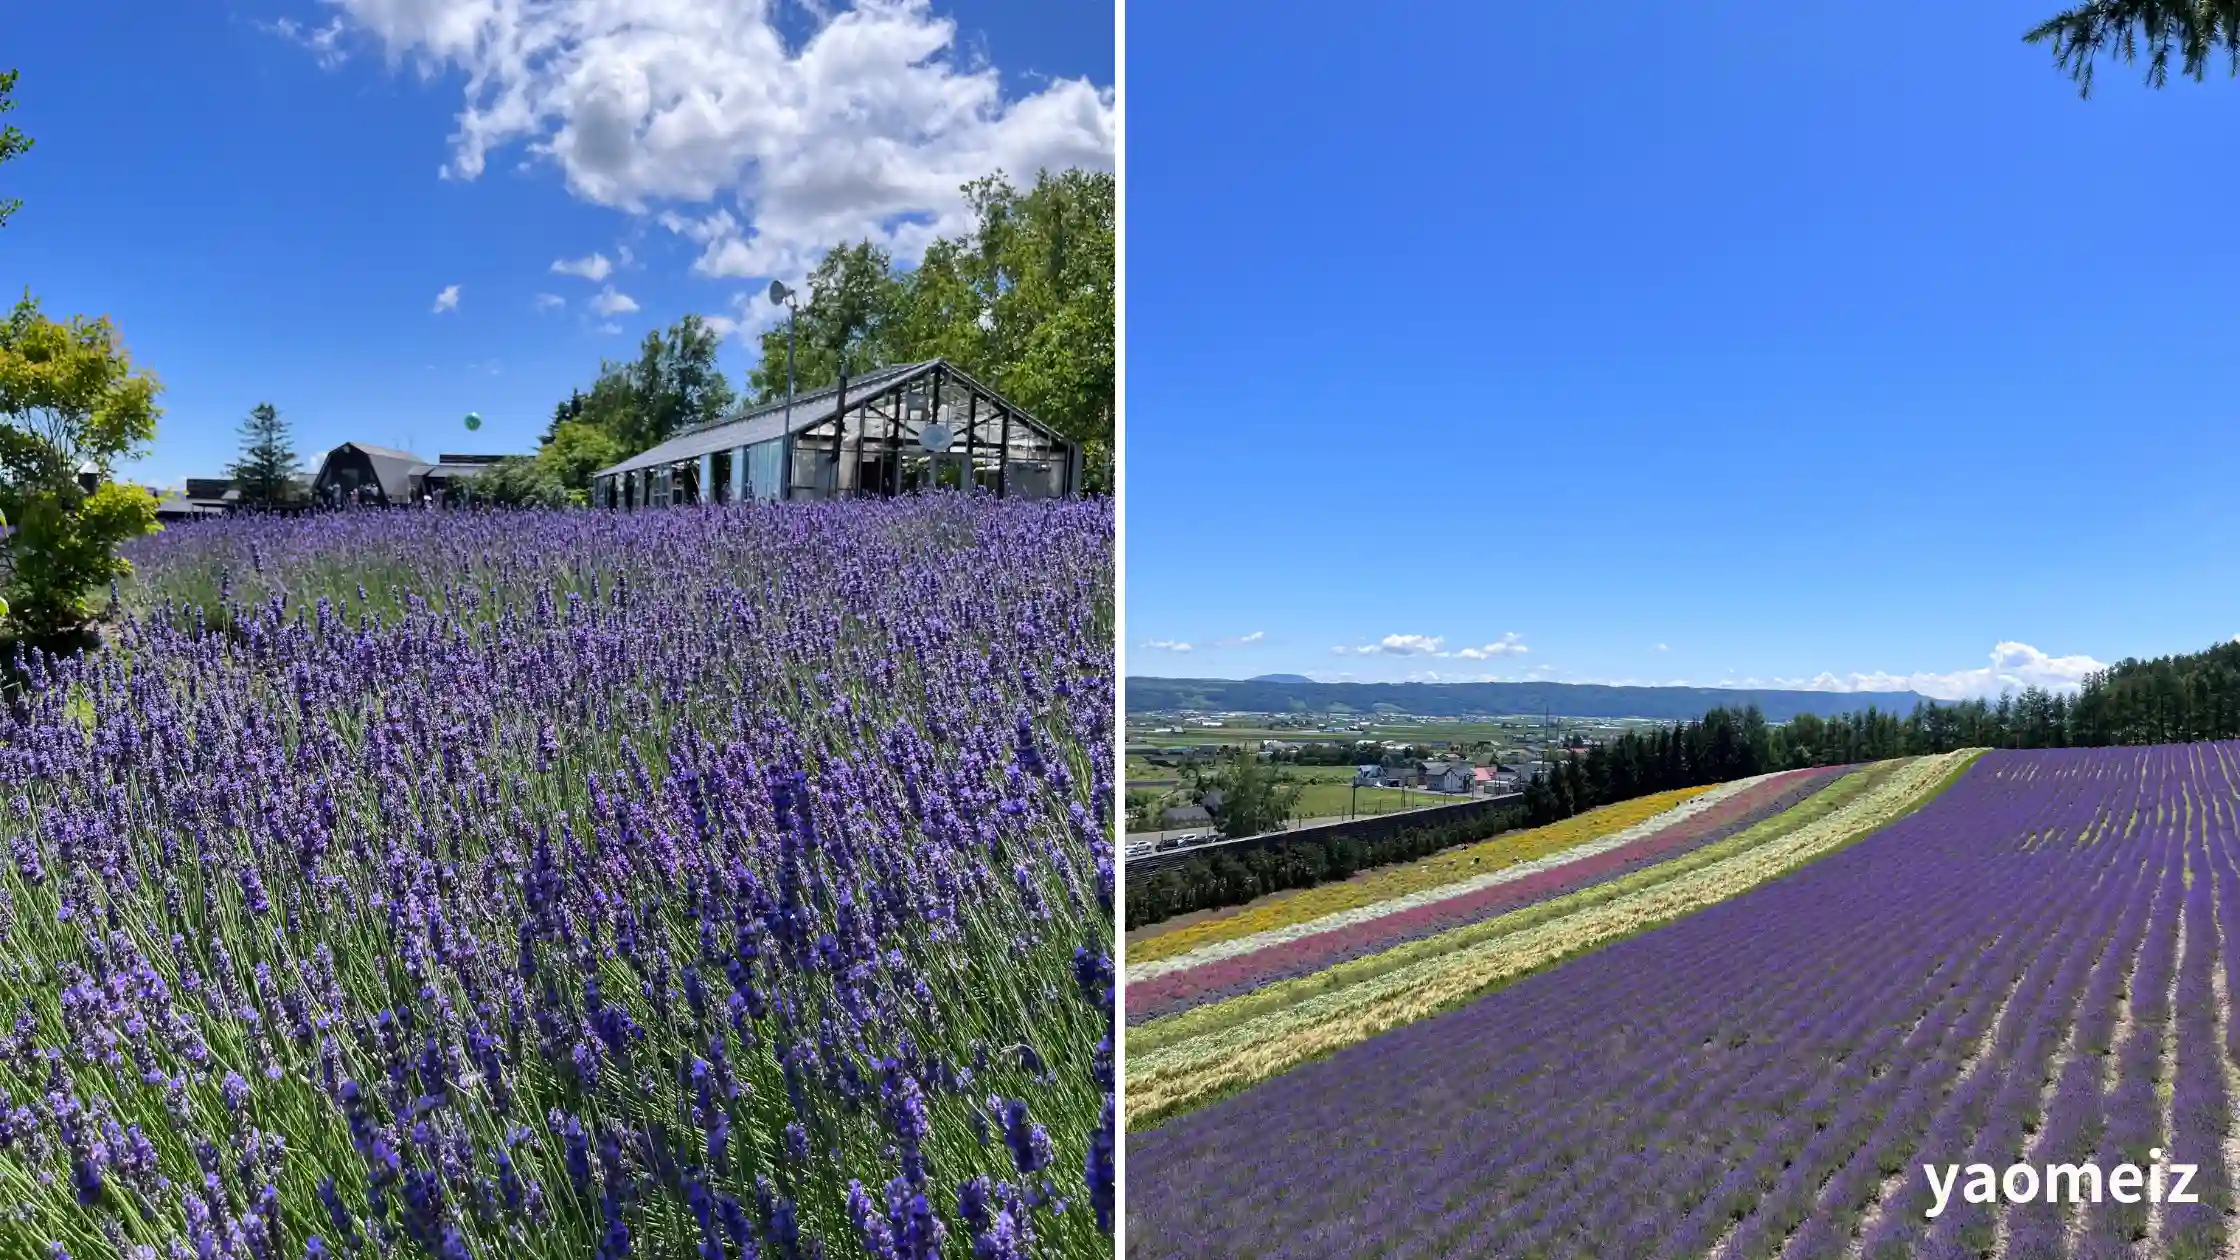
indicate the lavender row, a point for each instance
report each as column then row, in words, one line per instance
column 728, row 883
column 1750, row 1077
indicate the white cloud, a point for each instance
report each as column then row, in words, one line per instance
column 448, row 300
column 610, row 328
column 1510, row 644
column 721, row 325
column 324, row 42
column 1397, row 645
column 550, row 301
column 1507, row 645
column 609, row 302
column 865, row 128
column 2013, row 666
column 1241, row 640
column 593, row 267
column 1167, row 645
column 752, row 315
column 1660, row 648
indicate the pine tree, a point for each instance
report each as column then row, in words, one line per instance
column 266, row 471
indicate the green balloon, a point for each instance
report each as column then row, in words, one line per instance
column 474, row 420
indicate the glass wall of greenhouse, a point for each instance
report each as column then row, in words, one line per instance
column 896, row 430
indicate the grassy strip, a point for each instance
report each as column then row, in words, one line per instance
column 1444, row 868
column 1154, row 1034
column 1239, row 1050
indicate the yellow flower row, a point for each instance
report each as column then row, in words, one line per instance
column 1150, row 1036
column 1441, row 868
column 1177, row 1075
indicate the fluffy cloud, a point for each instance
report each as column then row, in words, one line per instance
column 752, row 315
column 1396, row 645
column 865, row 128
column 1167, row 645
column 1507, row 645
column 593, row 267
column 447, row 300
column 2013, row 666
column 609, row 302
column 1660, row 648
column 550, row 301
column 1510, row 644
column 1242, row 640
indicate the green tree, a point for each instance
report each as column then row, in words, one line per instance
column 1254, row 797
column 69, row 397
column 684, row 387
column 517, row 481
column 674, row 384
column 577, row 449
column 13, row 143
column 1024, row 301
column 849, row 315
column 566, row 411
column 2192, row 32
column 266, row 472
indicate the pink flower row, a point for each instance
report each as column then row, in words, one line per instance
column 1224, row 978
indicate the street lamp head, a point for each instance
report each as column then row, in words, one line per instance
column 779, row 293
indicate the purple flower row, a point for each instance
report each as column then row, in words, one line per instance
column 1987, row 980
column 728, row 883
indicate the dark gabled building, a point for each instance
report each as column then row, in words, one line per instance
column 356, row 472
column 381, row 476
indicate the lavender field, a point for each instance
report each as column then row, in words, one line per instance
column 719, row 883
column 2034, row 967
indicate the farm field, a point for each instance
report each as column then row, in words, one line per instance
column 1324, row 792
column 1997, row 958
column 1336, row 800
column 713, row 883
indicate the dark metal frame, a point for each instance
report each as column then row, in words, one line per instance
column 888, row 402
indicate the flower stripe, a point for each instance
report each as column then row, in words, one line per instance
column 1590, row 864
column 1172, row 1077
column 1440, row 869
column 1238, row 946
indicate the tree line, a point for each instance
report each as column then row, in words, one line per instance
column 1023, row 301
column 2174, row 699
column 2181, row 698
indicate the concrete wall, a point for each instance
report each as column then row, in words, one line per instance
column 1360, row 828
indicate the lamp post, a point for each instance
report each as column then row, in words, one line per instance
column 780, row 295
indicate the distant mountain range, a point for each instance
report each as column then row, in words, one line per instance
column 1292, row 693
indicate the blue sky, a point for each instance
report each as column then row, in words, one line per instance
column 270, row 197
column 1833, row 344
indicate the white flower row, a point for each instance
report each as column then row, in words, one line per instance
column 1242, row 945
column 1258, row 1046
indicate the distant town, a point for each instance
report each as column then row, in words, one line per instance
column 1183, row 765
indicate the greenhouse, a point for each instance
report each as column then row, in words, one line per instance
column 892, row 430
